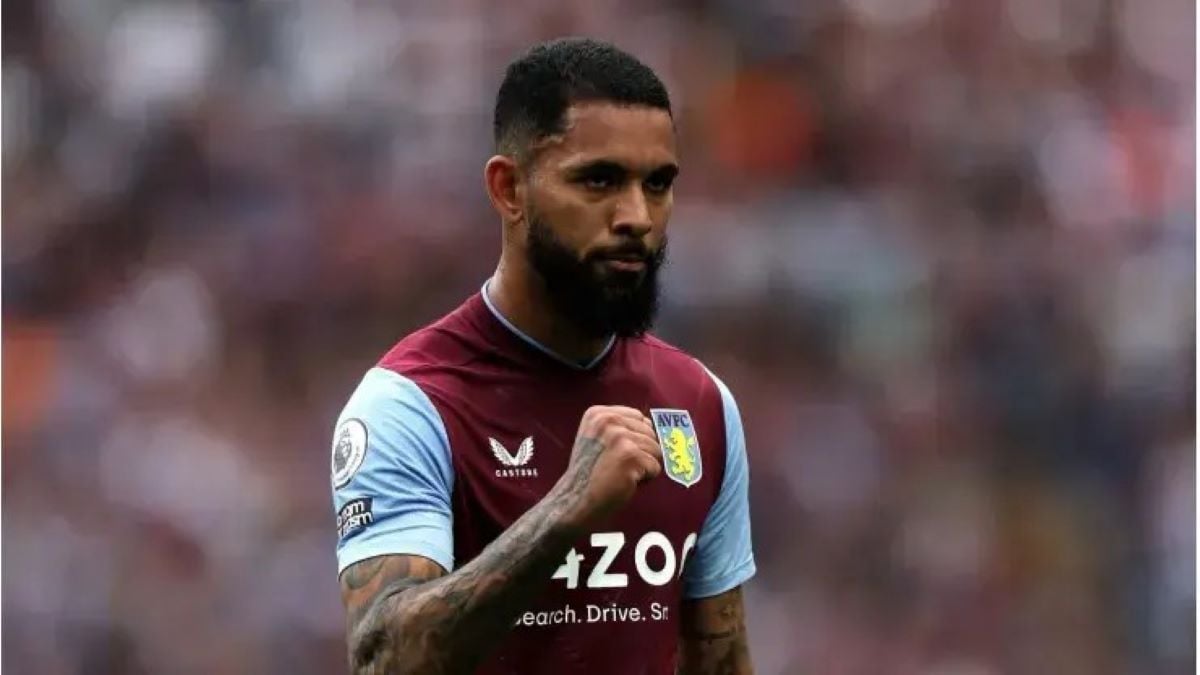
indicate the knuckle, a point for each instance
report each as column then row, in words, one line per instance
column 596, row 413
column 611, row 435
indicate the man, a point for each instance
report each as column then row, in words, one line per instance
column 532, row 484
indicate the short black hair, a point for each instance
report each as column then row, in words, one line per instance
column 550, row 77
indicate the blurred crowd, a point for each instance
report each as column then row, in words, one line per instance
column 942, row 252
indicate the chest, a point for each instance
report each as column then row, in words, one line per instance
column 511, row 441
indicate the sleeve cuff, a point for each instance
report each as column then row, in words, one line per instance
column 405, row 542
column 718, row 585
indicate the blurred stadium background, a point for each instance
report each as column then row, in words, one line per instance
column 943, row 252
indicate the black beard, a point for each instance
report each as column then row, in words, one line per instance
column 596, row 299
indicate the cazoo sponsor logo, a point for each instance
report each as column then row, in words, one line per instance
column 608, row 546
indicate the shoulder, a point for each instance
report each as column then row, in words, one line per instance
column 669, row 361
column 387, row 424
column 651, row 349
column 684, row 378
column 436, row 349
column 387, row 404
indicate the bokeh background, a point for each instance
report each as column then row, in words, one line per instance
column 943, row 253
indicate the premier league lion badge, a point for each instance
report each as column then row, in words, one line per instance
column 349, row 449
column 680, row 448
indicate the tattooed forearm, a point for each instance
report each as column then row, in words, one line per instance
column 367, row 585
column 713, row 637
column 406, row 617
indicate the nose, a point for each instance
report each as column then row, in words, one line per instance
column 632, row 216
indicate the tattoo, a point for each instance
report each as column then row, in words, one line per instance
column 713, row 637
column 584, row 456
column 363, row 573
column 407, row 615
column 367, row 585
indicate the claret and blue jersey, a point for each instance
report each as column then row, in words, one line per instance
column 466, row 424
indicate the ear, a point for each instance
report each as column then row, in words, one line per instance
column 504, row 182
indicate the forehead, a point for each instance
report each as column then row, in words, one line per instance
column 639, row 137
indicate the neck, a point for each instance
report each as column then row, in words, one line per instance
column 520, row 295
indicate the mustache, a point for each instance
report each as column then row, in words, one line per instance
column 629, row 251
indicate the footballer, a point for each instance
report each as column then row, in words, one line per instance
column 534, row 484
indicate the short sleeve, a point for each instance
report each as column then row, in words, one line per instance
column 724, row 558
column 391, row 474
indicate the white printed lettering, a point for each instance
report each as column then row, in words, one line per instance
column 569, row 570
column 612, row 542
column 688, row 544
column 654, row 577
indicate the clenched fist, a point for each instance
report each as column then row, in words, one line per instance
column 615, row 451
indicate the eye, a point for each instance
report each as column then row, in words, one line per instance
column 598, row 181
column 600, row 177
column 658, row 184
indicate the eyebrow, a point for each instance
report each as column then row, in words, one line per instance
column 668, row 170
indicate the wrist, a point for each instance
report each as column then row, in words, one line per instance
column 566, row 517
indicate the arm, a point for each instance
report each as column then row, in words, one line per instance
column 712, row 638
column 712, row 620
column 366, row 585
column 406, row 615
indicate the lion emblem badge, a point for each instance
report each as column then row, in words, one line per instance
column 680, row 447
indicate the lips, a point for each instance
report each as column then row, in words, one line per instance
column 626, row 255
column 626, row 260
column 626, row 264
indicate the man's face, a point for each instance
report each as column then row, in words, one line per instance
column 597, row 206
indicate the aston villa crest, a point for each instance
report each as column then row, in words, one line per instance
column 680, row 447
